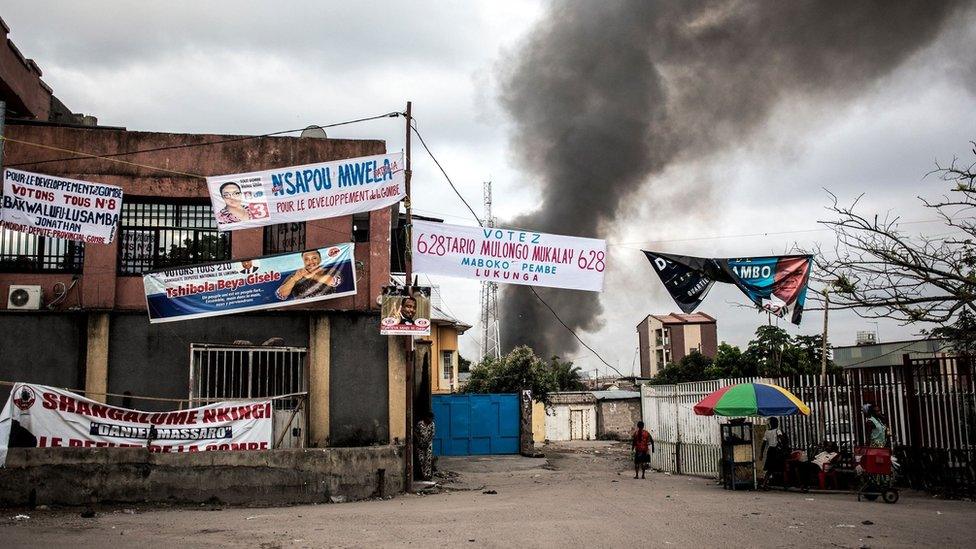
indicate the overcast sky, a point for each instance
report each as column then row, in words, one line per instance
column 256, row 67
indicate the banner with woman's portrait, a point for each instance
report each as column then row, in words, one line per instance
column 303, row 193
column 405, row 313
column 199, row 291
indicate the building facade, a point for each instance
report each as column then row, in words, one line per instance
column 666, row 339
column 90, row 328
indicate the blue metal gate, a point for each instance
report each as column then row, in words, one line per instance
column 468, row 425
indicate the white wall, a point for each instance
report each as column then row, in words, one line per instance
column 558, row 421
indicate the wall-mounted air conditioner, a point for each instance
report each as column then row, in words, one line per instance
column 25, row 298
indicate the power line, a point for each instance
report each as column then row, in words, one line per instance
column 583, row 343
column 447, row 177
column 86, row 156
column 480, row 223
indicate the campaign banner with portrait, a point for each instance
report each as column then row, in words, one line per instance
column 405, row 313
column 303, row 193
column 777, row 284
column 507, row 255
column 48, row 417
column 59, row 207
column 199, row 291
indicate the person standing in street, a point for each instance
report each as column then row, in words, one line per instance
column 642, row 444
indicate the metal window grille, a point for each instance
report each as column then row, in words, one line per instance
column 448, row 364
column 219, row 372
column 28, row 253
column 158, row 235
column 284, row 237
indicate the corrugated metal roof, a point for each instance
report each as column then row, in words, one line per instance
column 615, row 395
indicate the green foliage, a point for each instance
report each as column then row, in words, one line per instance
column 961, row 334
column 518, row 370
column 522, row 369
column 566, row 375
column 772, row 353
column 464, row 365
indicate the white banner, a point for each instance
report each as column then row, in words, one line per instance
column 302, row 193
column 505, row 255
column 58, row 207
column 50, row 418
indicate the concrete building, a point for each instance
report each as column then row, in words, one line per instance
column 617, row 413
column 571, row 416
column 666, row 339
column 890, row 353
column 90, row 330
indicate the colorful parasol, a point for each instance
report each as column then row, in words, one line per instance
column 751, row 399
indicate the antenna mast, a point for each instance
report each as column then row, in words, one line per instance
column 490, row 340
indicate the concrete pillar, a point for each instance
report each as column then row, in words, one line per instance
column 319, row 361
column 96, row 359
column 398, row 388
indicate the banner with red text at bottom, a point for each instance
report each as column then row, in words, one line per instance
column 506, row 255
column 48, row 417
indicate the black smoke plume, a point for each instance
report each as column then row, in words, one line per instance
column 606, row 94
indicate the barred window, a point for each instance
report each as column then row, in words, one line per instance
column 284, row 237
column 160, row 235
column 28, row 253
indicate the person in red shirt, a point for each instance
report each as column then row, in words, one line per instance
column 642, row 444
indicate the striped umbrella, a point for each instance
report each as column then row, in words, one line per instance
column 751, row 399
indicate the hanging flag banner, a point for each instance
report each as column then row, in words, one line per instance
column 777, row 284
column 58, row 207
column 506, row 255
column 404, row 313
column 312, row 191
column 267, row 282
column 684, row 277
column 48, row 417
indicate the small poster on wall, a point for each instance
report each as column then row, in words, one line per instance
column 405, row 313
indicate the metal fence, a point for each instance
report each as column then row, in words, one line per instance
column 219, row 372
column 28, row 253
column 928, row 405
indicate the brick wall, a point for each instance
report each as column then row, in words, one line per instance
column 617, row 418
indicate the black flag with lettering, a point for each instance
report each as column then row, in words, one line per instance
column 686, row 278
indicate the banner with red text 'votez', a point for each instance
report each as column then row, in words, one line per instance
column 510, row 256
column 48, row 417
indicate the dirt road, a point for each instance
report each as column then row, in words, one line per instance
column 577, row 495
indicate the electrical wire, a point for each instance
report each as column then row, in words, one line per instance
column 480, row 223
column 583, row 343
column 447, row 177
column 86, row 156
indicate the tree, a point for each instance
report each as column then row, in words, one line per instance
column 731, row 362
column 464, row 365
column 692, row 367
column 882, row 271
column 768, row 350
column 518, row 370
column 567, row 377
column 961, row 334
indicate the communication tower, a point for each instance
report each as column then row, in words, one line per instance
column 490, row 340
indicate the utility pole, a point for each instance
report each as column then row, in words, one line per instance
column 823, row 364
column 408, row 342
column 823, row 343
column 490, row 340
